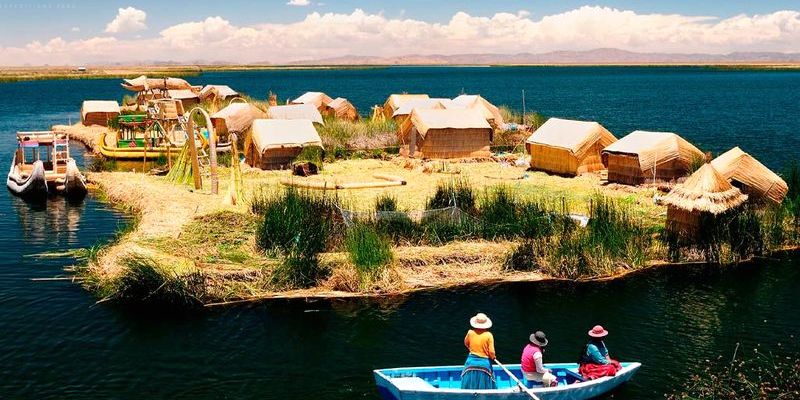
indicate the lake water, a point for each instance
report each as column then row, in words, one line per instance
column 56, row 343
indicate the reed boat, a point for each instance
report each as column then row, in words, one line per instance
column 444, row 383
column 135, row 149
column 42, row 165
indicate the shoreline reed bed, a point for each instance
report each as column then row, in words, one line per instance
column 296, row 226
column 612, row 239
column 369, row 252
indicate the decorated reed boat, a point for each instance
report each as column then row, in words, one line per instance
column 42, row 165
column 428, row 383
column 140, row 137
column 155, row 135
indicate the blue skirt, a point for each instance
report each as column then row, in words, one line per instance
column 477, row 373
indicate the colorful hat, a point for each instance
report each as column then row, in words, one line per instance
column 539, row 338
column 480, row 321
column 598, row 331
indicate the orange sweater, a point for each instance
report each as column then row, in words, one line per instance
column 480, row 344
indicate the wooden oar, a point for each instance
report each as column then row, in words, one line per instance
column 514, row 377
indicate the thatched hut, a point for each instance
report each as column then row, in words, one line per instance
column 217, row 93
column 98, row 112
column 296, row 111
column 275, row 143
column 446, row 134
column 567, row 147
column 402, row 113
column 750, row 176
column 396, row 100
column 340, row 108
column 649, row 156
column 187, row 97
column 317, row 99
column 705, row 193
column 236, row 118
column 489, row 110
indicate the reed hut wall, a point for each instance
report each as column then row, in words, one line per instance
column 273, row 158
column 559, row 160
column 449, row 143
column 682, row 222
column 625, row 169
column 98, row 118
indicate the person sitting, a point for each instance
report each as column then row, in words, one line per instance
column 478, row 371
column 533, row 370
column 594, row 360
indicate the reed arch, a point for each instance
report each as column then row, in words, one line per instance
column 212, row 148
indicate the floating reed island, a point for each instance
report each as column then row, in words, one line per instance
column 255, row 200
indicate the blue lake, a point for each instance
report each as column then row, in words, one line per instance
column 56, row 343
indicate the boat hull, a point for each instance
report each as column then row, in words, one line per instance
column 419, row 384
column 33, row 186
column 74, row 182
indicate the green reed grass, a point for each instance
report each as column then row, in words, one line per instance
column 455, row 192
column 363, row 134
column 386, row 202
column 296, row 225
column 368, row 250
column 145, row 281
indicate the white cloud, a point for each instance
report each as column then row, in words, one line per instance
column 298, row 2
column 321, row 35
column 75, row 29
column 127, row 20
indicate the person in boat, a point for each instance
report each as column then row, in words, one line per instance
column 478, row 371
column 532, row 367
column 595, row 361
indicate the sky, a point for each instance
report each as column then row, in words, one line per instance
column 277, row 31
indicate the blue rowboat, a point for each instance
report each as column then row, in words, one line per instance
column 444, row 383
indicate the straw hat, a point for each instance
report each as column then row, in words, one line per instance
column 480, row 321
column 598, row 331
column 538, row 338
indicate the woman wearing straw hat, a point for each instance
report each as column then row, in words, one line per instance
column 594, row 360
column 531, row 363
column 478, row 373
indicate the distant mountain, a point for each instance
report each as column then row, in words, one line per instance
column 596, row 56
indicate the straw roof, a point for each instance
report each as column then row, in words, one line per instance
column 296, row 111
column 431, row 103
column 279, row 133
column 736, row 165
column 239, row 116
column 338, row 102
column 317, row 99
column 576, row 137
column 489, row 110
column 221, row 91
column 182, row 94
column 143, row 83
column 396, row 100
column 342, row 108
column 706, row 190
column 653, row 148
column 99, row 106
column 424, row 120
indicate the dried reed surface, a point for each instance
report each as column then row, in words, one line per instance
column 88, row 135
column 192, row 232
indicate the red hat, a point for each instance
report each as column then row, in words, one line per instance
column 598, row 331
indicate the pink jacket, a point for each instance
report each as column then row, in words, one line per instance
column 530, row 362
